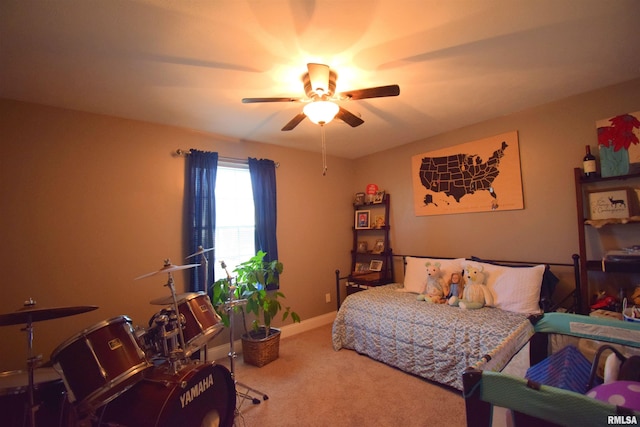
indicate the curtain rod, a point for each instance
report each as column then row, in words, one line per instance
column 184, row 153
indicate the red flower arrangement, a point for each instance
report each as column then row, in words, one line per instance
column 620, row 133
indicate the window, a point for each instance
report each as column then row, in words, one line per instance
column 235, row 217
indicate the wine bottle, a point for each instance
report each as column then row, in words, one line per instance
column 589, row 164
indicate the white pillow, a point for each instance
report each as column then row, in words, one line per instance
column 514, row 288
column 415, row 275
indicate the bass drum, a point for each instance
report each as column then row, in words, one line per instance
column 198, row 395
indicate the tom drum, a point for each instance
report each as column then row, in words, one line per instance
column 100, row 363
column 50, row 398
column 200, row 322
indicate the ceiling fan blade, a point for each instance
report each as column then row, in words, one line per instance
column 319, row 77
column 372, row 92
column 252, row 100
column 294, row 122
column 349, row 118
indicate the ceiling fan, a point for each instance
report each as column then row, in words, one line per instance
column 319, row 85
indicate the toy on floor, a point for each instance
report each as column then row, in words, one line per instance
column 603, row 301
column 435, row 290
column 476, row 294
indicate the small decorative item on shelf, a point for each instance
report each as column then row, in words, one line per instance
column 610, row 203
column 378, row 248
column 371, row 191
column 375, row 265
column 589, row 164
column 358, row 199
column 378, row 222
column 362, row 219
column 363, row 246
column 361, row 267
column 618, row 144
column 378, row 197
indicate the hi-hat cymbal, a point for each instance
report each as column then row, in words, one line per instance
column 31, row 314
column 200, row 251
column 168, row 268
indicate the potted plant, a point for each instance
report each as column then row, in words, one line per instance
column 260, row 344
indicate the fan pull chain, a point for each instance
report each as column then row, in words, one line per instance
column 324, row 152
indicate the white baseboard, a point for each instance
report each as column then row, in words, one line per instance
column 222, row 351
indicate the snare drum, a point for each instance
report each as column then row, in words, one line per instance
column 48, row 395
column 100, row 363
column 200, row 394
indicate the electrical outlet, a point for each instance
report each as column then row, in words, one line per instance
column 327, row 297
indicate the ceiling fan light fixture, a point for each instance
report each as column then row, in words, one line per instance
column 321, row 112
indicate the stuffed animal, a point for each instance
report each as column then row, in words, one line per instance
column 475, row 294
column 635, row 297
column 435, row 289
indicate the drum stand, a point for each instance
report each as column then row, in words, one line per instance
column 229, row 306
column 177, row 355
column 31, row 362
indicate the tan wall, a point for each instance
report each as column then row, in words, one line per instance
column 90, row 202
column 551, row 139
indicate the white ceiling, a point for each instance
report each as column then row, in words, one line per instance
column 189, row 63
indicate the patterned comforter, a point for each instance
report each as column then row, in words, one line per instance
column 433, row 341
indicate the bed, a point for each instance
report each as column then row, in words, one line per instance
column 437, row 341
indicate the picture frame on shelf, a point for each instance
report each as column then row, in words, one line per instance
column 378, row 247
column 609, row 203
column 358, row 199
column 375, row 265
column 378, row 197
column 360, row 267
column 362, row 219
column 363, row 247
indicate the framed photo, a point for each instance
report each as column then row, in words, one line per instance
column 378, row 197
column 362, row 219
column 378, row 247
column 610, row 203
column 360, row 267
column 363, row 247
column 375, row 265
column 358, row 199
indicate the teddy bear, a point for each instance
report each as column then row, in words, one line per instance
column 635, row 297
column 476, row 294
column 435, row 289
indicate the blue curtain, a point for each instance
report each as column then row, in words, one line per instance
column 202, row 167
column 263, row 184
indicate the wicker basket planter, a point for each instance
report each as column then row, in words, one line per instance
column 257, row 350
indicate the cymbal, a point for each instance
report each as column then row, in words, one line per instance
column 168, row 268
column 200, row 251
column 30, row 314
column 169, row 300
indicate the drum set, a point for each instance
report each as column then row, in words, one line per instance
column 112, row 374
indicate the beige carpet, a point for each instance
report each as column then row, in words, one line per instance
column 310, row 384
